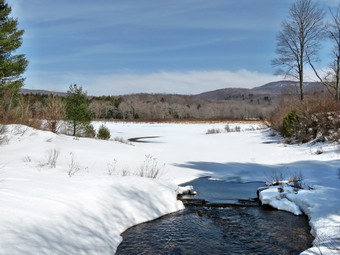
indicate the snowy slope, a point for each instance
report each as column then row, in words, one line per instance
column 44, row 211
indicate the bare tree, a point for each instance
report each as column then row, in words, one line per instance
column 332, row 77
column 54, row 113
column 334, row 34
column 299, row 41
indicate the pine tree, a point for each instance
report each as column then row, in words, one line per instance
column 11, row 66
column 77, row 109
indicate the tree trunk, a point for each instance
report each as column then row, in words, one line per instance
column 301, row 85
column 337, row 75
column 74, row 128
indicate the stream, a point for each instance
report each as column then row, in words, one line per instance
column 229, row 221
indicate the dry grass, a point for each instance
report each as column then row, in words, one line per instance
column 227, row 129
column 52, row 158
column 294, row 180
column 112, row 168
column 27, row 159
column 150, row 168
column 73, row 167
column 214, row 131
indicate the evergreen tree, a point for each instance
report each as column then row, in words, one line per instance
column 11, row 66
column 77, row 109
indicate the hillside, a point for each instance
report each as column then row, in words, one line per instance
column 270, row 90
column 42, row 92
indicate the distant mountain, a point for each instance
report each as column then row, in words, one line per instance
column 42, row 92
column 269, row 90
column 224, row 94
column 276, row 87
column 282, row 87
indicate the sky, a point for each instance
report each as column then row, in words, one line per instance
column 114, row 47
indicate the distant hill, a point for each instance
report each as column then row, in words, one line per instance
column 269, row 90
column 224, row 94
column 282, row 87
column 42, row 92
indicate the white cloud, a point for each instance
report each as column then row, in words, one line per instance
column 191, row 82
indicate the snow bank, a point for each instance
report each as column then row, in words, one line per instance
column 45, row 211
column 78, row 215
column 279, row 200
column 321, row 205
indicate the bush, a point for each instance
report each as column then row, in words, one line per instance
column 290, row 123
column 89, row 131
column 150, row 168
column 214, row 131
column 316, row 119
column 103, row 133
column 52, row 158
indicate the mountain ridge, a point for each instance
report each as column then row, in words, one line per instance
column 269, row 89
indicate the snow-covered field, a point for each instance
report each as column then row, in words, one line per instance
column 83, row 204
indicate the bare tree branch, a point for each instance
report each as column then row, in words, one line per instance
column 299, row 41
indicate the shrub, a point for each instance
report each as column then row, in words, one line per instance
column 54, row 113
column 214, row 131
column 150, row 168
column 103, row 133
column 27, row 159
column 52, row 158
column 112, row 168
column 290, row 123
column 89, row 131
column 316, row 119
column 227, row 128
column 73, row 167
column 295, row 181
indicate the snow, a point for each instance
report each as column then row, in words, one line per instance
column 279, row 200
column 46, row 210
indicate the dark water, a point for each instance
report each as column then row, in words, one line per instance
column 214, row 230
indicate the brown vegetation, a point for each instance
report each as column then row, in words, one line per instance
column 318, row 118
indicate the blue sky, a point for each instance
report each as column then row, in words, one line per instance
column 131, row 46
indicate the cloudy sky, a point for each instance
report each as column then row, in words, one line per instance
column 131, row 46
